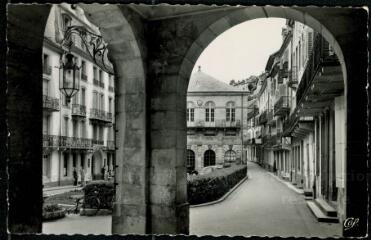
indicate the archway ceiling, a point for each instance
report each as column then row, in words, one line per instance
column 165, row 11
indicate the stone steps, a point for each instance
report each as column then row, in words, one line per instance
column 326, row 208
column 319, row 214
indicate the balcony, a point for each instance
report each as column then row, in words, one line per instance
column 110, row 145
column 297, row 126
column 75, row 143
column 101, row 84
column 97, row 142
column 322, row 78
column 263, row 118
column 100, row 116
column 111, row 89
column 50, row 141
column 47, row 69
column 270, row 118
column 282, row 106
column 54, row 141
column 50, row 103
column 215, row 124
column 254, row 111
column 78, row 110
column 293, row 78
column 283, row 73
column 84, row 77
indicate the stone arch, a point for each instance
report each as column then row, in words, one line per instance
column 353, row 65
column 126, row 54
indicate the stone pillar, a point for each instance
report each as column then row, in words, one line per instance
column 169, row 210
column 25, row 33
column 130, row 207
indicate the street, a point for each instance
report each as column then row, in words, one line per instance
column 261, row 206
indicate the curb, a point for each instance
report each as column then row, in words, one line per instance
column 298, row 191
column 222, row 198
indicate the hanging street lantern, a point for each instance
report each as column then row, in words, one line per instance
column 69, row 76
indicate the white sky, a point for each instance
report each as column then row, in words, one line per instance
column 242, row 50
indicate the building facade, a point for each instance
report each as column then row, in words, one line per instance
column 78, row 134
column 216, row 120
column 300, row 118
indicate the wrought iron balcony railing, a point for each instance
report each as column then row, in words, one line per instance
column 66, row 142
column 110, row 145
column 78, row 110
column 51, row 141
column 50, row 103
column 253, row 112
column 215, row 124
column 263, row 118
column 282, row 106
column 320, row 56
column 100, row 115
column 97, row 142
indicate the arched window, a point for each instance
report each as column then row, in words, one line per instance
column 190, row 160
column 230, row 156
column 190, row 112
column 209, row 158
column 230, row 112
column 209, row 111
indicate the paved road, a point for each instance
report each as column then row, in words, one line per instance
column 261, row 206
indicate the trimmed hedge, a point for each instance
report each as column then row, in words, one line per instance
column 211, row 187
column 102, row 190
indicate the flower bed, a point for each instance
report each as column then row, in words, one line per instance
column 212, row 186
column 53, row 211
column 98, row 195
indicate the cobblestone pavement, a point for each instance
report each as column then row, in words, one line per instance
column 261, row 206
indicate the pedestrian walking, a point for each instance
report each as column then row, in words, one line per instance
column 75, row 176
column 82, row 173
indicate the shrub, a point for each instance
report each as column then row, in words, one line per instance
column 53, row 211
column 99, row 190
column 52, row 208
column 210, row 187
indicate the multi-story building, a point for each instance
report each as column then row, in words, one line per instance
column 303, row 138
column 77, row 134
column 215, row 122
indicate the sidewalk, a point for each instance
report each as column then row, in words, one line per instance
column 50, row 191
column 288, row 184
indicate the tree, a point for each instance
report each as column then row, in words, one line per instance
column 232, row 82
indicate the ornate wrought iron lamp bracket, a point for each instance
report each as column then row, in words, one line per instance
column 93, row 43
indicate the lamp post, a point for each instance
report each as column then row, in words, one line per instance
column 69, row 76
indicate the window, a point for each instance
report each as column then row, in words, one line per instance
column 230, row 156
column 190, row 112
column 75, row 128
column 209, row 111
column 100, row 76
column 209, row 158
column 190, row 160
column 83, row 129
column 65, row 164
column 95, row 99
column 83, row 67
column 95, row 74
column 45, row 87
column 74, row 160
column 83, row 92
column 46, row 125
column 65, row 126
column 101, row 102
column 66, row 21
column 82, row 162
column 110, row 105
column 230, row 112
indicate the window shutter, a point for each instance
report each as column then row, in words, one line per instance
column 310, row 42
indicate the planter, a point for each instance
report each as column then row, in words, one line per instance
column 54, row 215
column 95, row 212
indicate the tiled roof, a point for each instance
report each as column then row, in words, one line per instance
column 202, row 82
